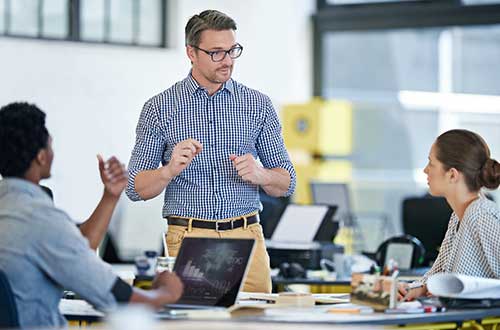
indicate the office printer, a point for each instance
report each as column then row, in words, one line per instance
column 308, row 255
column 304, row 235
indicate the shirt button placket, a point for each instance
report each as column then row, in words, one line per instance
column 213, row 159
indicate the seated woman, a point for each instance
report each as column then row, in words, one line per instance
column 459, row 166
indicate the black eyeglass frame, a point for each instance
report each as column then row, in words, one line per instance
column 211, row 53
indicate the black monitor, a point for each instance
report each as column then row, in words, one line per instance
column 427, row 219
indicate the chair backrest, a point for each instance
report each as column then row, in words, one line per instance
column 427, row 219
column 8, row 308
column 406, row 250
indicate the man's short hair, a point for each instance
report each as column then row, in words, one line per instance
column 22, row 135
column 207, row 20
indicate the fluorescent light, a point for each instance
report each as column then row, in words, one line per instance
column 450, row 102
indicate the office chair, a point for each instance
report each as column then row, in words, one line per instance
column 427, row 219
column 110, row 251
column 8, row 308
column 406, row 250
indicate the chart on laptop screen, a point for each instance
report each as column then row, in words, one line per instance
column 212, row 270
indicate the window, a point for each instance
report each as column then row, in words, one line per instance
column 125, row 22
column 380, row 61
column 2, row 17
column 412, row 70
column 400, row 79
column 55, row 20
column 93, row 20
column 24, row 17
column 474, row 55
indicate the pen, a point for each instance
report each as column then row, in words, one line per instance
column 393, row 299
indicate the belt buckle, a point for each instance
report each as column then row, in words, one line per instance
column 217, row 225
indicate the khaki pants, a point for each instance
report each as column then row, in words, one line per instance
column 259, row 274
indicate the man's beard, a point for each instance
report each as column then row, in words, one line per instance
column 219, row 81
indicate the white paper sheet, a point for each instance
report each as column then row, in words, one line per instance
column 463, row 286
column 299, row 223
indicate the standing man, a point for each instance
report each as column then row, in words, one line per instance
column 208, row 131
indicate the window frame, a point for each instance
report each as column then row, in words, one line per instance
column 74, row 22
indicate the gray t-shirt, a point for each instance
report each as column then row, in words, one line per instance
column 42, row 251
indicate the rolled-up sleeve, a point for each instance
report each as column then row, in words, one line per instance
column 271, row 147
column 148, row 149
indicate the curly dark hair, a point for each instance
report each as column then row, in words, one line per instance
column 22, row 135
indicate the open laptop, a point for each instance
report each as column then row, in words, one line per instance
column 212, row 270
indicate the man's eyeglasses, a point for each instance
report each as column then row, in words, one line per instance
column 220, row 55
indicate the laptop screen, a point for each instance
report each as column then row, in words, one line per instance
column 212, row 270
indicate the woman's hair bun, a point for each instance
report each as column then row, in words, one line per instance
column 490, row 174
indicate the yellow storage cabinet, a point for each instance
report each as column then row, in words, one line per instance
column 319, row 127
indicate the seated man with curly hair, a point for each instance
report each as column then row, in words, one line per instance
column 41, row 249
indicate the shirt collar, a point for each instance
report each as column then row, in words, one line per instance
column 193, row 86
column 229, row 85
column 22, row 186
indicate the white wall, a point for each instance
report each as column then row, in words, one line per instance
column 93, row 93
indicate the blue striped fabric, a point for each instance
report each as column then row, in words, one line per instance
column 235, row 120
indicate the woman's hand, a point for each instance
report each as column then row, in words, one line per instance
column 409, row 293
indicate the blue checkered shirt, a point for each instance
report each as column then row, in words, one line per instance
column 235, row 120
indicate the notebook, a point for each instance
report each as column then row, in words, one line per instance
column 212, row 270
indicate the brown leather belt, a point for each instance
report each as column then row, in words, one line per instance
column 217, row 225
